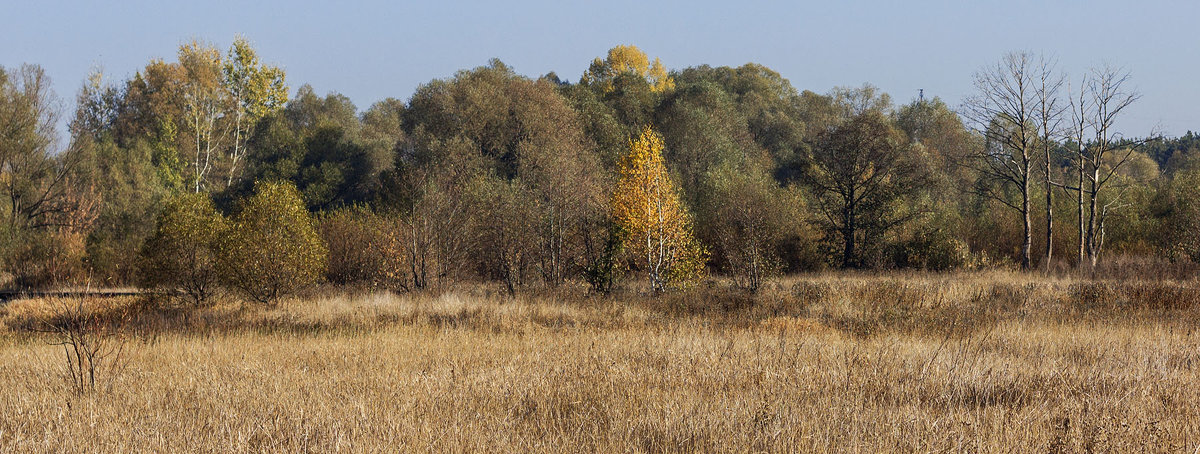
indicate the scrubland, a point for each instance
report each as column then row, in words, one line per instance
column 977, row 362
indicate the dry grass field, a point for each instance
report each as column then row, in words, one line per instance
column 987, row 362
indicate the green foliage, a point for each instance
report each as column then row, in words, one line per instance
column 1179, row 208
column 127, row 182
column 181, row 255
column 46, row 209
column 314, row 144
column 603, row 267
column 490, row 174
column 703, row 130
column 750, row 218
column 489, row 138
column 864, row 179
column 767, row 101
column 272, row 248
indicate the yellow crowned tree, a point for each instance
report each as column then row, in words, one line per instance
column 658, row 227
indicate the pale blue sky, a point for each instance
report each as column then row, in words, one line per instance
column 371, row 50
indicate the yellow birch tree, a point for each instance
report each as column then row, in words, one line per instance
column 647, row 206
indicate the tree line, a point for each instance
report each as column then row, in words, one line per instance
column 209, row 171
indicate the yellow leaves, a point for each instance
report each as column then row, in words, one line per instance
column 629, row 59
column 647, row 206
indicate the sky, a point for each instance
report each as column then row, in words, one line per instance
column 372, row 50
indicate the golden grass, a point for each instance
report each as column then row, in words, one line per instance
column 977, row 362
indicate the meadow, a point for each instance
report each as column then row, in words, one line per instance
column 840, row 362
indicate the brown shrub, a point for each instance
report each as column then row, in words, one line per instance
column 365, row 248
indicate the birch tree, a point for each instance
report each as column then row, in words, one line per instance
column 205, row 105
column 647, row 205
column 255, row 90
column 1105, row 154
column 1050, row 111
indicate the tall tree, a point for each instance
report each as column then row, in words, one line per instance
column 1050, row 110
column 205, row 100
column 1107, row 96
column 1004, row 111
column 860, row 173
column 525, row 132
column 628, row 59
column 34, row 175
column 256, row 90
column 1080, row 113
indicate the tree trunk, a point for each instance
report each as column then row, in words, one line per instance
column 1049, row 213
column 1082, row 232
column 1092, row 250
column 848, row 252
column 1027, row 240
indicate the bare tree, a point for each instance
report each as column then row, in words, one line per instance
column 1107, row 96
column 1050, row 117
column 92, row 342
column 1080, row 112
column 1004, row 109
column 428, row 188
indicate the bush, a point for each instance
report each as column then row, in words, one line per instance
column 180, row 257
column 272, row 248
column 364, row 248
column 41, row 259
column 931, row 249
column 749, row 218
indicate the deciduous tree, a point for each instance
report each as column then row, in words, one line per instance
column 1004, row 111
column 860, row 173
column 255, row 89
column 646, row 205
column 181, row 255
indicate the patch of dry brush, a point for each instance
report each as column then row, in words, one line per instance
column 979, row 362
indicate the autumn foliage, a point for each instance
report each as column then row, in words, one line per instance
column 365, row 247
column 624, row 59
column 272, row 248
column 647, row 206
column 181, row 255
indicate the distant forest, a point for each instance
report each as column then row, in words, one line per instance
column 211, row 171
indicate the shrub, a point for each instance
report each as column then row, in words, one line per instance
column 364, row 248
column 39, row 259
column 272, row 248
column 932, row 249
column 180, row 257
column 749, row 219
column 92, row 339
column 603, row 268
